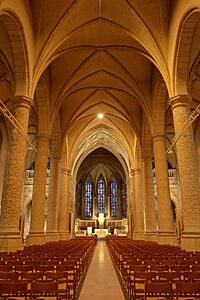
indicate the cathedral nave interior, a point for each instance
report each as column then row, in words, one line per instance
column 99, row 121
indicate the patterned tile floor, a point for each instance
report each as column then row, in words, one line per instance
column 101, row 281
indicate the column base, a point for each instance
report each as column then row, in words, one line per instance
column 130, row 234
column 63, row 236
column 138, row 235
column 151, row 236
column 190, row 241
column 72, row 235
column 35, row 239
column 167, row 238
column 10, row 242
column 51, row 236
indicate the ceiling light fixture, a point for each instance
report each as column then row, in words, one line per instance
column 100, row 115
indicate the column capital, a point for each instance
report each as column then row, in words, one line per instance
column 24, row 101
column 55, row 157
column 158, row 137
column 69, row 172
column 137, row 163
column 136, row 171
column 147, row 158
column 179, row 100
column 64, row 170
column 43, row 135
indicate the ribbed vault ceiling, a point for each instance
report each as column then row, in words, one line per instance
column 118, row 57
column 96, row 63
column 102, row 56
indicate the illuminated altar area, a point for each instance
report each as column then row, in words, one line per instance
column 116, row 227
column 101, row 196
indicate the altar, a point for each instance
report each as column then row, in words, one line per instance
column 101, row 233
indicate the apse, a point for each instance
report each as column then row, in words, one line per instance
column 101, row 194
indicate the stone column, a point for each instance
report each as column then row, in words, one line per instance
column 129, row 187
column 138, row 204
column 10, row 235
column 130, row 224
column 71, row 204
column 3, row 158
column 63, row 211
column 165, row 216
column 149, row 201
column 189, row 185
column 52, row 212
column 36, row 234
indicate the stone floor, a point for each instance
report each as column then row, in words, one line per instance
column 101, row 281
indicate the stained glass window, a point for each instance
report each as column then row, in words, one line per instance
column 79, row 197
column 88, row 198
column 123, row 190
column 113, row 198
column 101, row 201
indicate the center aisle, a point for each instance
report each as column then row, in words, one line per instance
column 101, row 281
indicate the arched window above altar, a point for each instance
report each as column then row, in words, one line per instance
column 88, row 198
column 101, row 197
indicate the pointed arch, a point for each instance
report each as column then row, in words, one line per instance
column 182, row 55
column 160, row 98
column 42, row 102
column 19, row 52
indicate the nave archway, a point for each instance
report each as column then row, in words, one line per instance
column 101, row 194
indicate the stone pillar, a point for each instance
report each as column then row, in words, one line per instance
column 52, row 212
column 130, row 223
column 63, row 211
column 189, row 185
column 3, row 158
column 71, row 205
column 138, row 233
column 129, row 187
column 10, row 231
column 165, row 216
column 36, row 234
column 149, row 201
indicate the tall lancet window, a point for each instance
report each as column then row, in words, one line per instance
column 113, row 198
column 123, row 190
column 88, row 198
column 101, row 201
column 79, row 198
